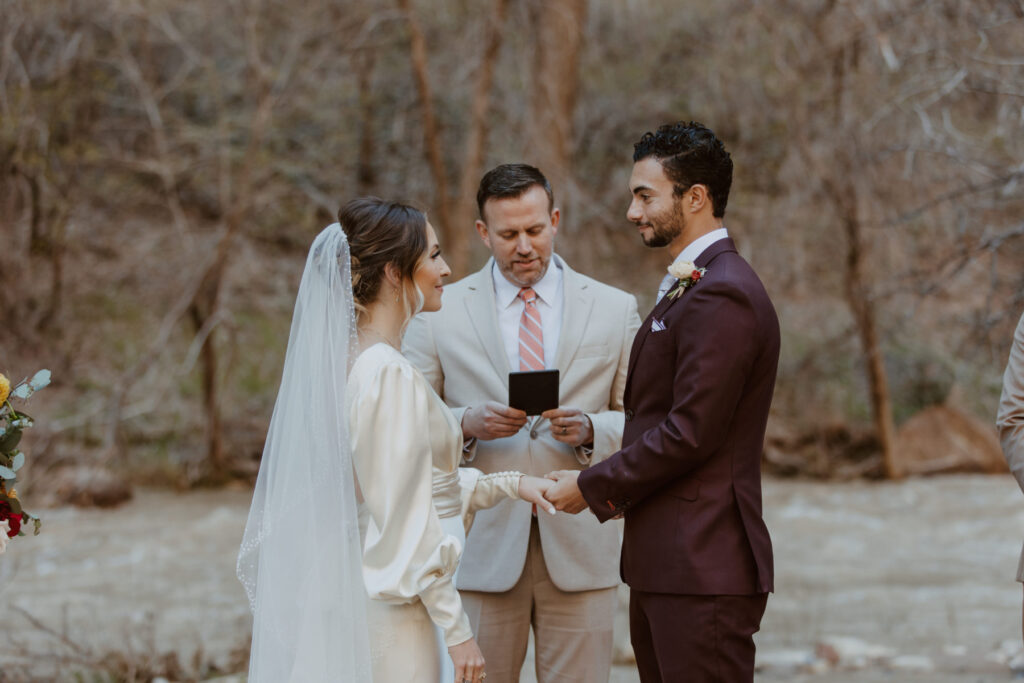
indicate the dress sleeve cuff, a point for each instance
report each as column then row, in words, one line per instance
column 444, row 605
column 459, row 633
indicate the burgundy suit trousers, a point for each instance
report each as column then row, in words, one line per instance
column 694, row 638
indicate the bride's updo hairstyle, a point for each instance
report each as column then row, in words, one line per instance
column 380, row 232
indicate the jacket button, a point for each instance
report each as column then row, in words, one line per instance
column 533, row 434
column 629, row 414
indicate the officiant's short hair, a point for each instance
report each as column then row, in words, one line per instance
column 690, row 154
column 509, row 181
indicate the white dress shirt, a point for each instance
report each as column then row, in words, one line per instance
column 510, row 310
column 691, row 252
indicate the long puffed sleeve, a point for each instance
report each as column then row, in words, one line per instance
column 481, row 491
column 406, row 553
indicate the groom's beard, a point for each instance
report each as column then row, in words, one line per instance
column 667, row 227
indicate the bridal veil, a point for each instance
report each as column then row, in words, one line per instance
column 300, row 556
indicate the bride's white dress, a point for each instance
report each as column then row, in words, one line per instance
column 417, row 504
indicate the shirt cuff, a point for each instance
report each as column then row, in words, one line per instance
column 584, row 454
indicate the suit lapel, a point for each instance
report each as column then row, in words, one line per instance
column 657, row 313
column 483, row 316
column 660, row 308
column 576, row 306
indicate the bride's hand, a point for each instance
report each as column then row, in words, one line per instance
column 532, row 489
column 468, row 660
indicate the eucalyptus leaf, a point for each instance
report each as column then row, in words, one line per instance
column 22, row 391
column 18, row 461
column 7, row 473
column 40, row 380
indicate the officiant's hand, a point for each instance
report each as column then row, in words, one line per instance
column 570, row 425
column 532, row 489
column 492, row 420
column 565, row 494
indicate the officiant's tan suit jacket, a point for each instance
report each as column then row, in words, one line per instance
column 461, row 352
column 1010, row 420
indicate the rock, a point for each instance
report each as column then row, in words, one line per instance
column 944, row 438
column 1005, row 652
column 86, row 487
column 1016, row 662
column 791, row 661
column 912, row 664
column 852, row 653
column 952, row 650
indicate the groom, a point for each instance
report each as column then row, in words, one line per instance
column 696, row 552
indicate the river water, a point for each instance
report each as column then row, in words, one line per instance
column 921, row 571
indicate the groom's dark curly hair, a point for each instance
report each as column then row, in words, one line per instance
column 690, row 154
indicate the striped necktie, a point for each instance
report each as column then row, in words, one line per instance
column 531, row 336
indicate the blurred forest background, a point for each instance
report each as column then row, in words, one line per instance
column 165, row 165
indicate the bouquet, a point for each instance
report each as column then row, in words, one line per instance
column 12, row 424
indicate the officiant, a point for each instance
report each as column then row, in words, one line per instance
column 527, row 310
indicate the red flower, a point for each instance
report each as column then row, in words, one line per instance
column 695, row 275
column 13, row 520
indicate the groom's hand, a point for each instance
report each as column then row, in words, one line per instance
column 492, row 420
column 565, row 494
column 570, row 425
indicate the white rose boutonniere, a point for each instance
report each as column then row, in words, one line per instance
column 688, row 275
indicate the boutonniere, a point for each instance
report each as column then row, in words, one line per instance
column 688, row 275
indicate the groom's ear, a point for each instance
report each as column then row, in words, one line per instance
column 698, row 198
column 481, row 229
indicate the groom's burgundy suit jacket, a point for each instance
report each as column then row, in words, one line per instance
column 688, row 476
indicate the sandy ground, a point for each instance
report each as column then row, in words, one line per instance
column 924, row 568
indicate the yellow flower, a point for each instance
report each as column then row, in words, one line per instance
column 5, row 388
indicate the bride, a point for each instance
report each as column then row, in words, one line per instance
column 360, row 509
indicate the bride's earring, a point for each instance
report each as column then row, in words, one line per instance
column 396, row 295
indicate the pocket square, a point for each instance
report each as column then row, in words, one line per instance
column 657, row 325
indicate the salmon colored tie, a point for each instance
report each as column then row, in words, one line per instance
column 531, row 337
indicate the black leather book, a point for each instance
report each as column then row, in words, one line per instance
column 534, row 391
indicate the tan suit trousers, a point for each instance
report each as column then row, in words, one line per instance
column 572, row 631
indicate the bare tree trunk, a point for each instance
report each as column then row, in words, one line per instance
column 863, row 311
column 557, row 28
column 202, row 312
column 456, row 217
column 366, row 177
column 431, row 130
column 56, row 249
column 844, row 196
column 472, row 164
